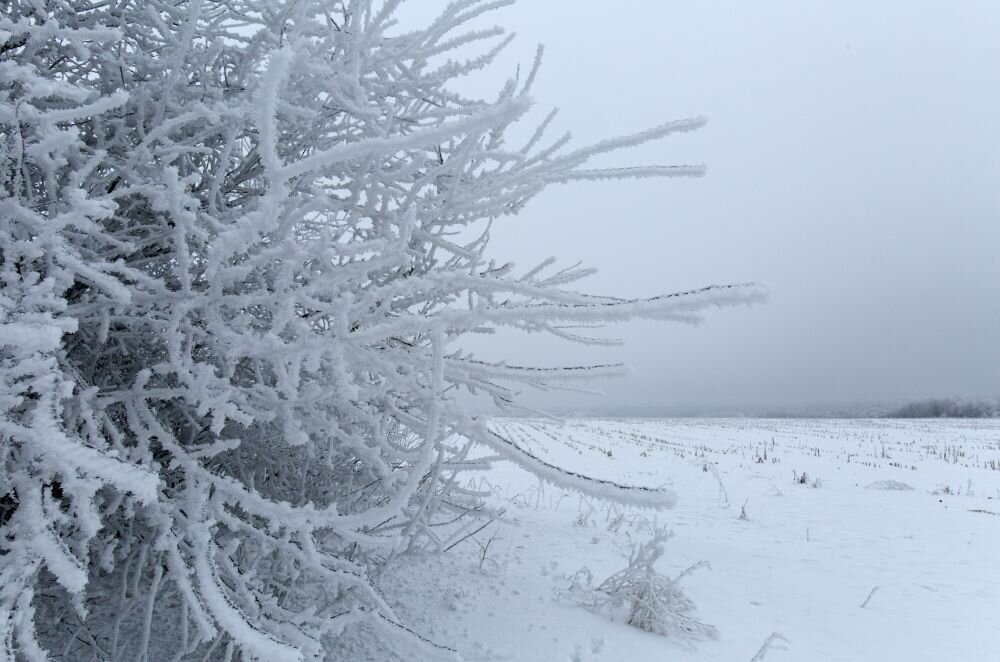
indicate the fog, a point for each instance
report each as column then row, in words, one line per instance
column 853, row 154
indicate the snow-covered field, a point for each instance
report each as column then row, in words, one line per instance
column 842, row 565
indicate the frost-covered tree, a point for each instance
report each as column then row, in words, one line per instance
column 239, row 241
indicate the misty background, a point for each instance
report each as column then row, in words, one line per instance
column 853, row 154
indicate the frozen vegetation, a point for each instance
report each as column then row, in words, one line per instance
column 851, row 540
column 239, row 244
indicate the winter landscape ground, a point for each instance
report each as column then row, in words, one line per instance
column 246, row 268
column 887, row 551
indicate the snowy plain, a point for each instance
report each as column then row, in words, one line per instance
column 847, row 565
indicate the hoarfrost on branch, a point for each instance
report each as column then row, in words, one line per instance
column 238, row 243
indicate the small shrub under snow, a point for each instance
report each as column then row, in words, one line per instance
column 889, row 485
column 655, row 602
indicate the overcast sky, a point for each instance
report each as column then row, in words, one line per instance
column 853, row 153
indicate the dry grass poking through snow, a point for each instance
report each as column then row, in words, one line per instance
column 800, row 521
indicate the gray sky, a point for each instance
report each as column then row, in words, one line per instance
column 853, row 150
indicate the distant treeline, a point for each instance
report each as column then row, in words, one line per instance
column 947, row 408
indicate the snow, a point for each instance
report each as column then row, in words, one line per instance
column 922, row 562
column 267, row 225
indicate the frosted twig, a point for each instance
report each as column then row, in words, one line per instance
column 870, row 594
column 768, row 645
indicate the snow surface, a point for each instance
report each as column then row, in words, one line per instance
column 809, row 554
